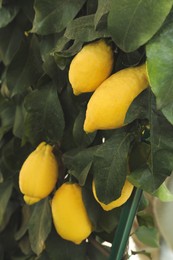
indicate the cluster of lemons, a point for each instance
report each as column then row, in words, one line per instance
column 89, row 71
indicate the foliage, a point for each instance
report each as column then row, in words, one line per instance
column 38, row 40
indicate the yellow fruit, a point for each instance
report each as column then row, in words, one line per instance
column 69, row 213
column 108, row 105
column 125, row 194
column 38, row 174
column 90, row 67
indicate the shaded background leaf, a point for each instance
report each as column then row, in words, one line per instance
column 54, row 17
column 44, row 118
column 40, row 225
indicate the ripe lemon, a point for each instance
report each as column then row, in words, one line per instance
column 69, row 213
column 125, row 194
column 90, row 67
column 38, row 174
column 108, row 105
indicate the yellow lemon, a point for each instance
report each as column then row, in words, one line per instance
column 38, row 174
column 69, row 213
column 125, row 194
column 108, row 105
column 90, row 67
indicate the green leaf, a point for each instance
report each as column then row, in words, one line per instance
column 163, row 193
column 133, row 23
column 5, row 194
column 139, row 107
column 19, row 121
column 25, row 69
column 26, row 215
column 148, row 236
column 7, row 110
column 10, row 40
column 160, row 73
column 110, row 166
column 168, row 112
column 81, row 138
column 82, row 29
column 40, row 225
column 102, row 9
column 7, row 14
column 54, row 17
column 44, row 118
column 79, row 162
column 61, row 249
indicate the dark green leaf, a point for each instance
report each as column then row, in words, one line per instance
column 82, row 29
column 5, row 193
column 26, row 214
column 7, row 14
column 81, row 138
column 79, row 162
column 40, row 225
column 139, row 107
column 7, row 110
column 148, row 236
column 10, row 40
column 102, row 9
column 133, row 23
column 44, row 119
column 61, row 249
column 25, row 69
column 19, row 121
column 55, row 16
column 110, row 166
column 160, row 70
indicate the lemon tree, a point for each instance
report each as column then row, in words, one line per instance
column 86, row 100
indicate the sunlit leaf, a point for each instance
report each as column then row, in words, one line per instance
column 148, row 236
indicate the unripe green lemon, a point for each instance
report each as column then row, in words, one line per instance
column 125, row 194
column 108, row 105
column 69, row 213
column 90, row 67
column 38, row 174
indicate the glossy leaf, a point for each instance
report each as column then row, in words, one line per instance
column 133, row 23
column 40, row 225
column 54, row 17
column 44, row 118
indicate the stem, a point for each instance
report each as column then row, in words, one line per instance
column 124, row 227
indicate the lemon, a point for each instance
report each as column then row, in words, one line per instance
column 108, row 105
column 38, row 174
column 69, row 213
column 125, row 194
column 90, row 67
